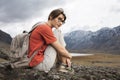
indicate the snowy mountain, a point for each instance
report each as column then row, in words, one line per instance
column 103, row 40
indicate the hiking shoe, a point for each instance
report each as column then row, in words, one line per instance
column 65, row 68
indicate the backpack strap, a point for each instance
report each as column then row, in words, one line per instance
column 34, row 26
column 25, row 47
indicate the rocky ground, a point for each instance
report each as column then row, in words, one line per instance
column 82, row 72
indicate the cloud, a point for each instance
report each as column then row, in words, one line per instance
column 19, row 15
column 115, row 7
column 20, row 10
column 118, row 0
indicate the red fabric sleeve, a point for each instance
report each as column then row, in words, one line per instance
column 47, row 34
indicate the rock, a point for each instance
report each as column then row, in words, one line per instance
column 81, row 73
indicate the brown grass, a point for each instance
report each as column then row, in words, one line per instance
column 100, row 59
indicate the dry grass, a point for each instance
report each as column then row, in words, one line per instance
column 100, row 59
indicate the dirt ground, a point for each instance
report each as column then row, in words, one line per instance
column 98, row 59
column 95, row 67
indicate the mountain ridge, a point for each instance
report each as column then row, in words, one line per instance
column 5, row 37
column 103, row 40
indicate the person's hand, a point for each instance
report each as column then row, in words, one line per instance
column 68, row 61
column 70, row 56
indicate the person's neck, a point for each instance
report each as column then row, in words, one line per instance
column 48, row 23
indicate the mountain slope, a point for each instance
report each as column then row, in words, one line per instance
column 4, row 37
column 5, row 40
column 103, row 40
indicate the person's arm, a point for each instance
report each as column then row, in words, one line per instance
column 62, row 51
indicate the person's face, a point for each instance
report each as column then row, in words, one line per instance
column 58, row 21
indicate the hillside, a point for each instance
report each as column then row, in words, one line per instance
column 5, row 37
column 103, row 40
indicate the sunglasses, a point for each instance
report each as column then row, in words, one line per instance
column 60, row 20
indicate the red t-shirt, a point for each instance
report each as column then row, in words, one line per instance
column 40, row 38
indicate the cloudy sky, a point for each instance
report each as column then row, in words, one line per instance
column 19, row 15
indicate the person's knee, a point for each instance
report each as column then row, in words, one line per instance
column 47, row 67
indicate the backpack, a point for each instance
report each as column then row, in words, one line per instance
column 20, row 43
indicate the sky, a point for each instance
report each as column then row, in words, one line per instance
column 88, row 15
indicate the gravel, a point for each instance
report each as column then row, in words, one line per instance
column 81, row 73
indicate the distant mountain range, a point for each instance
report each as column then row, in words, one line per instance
column 5, row 40
column 103, row 40
column 4, row 37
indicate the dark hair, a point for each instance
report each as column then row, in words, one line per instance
column 55, row 13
